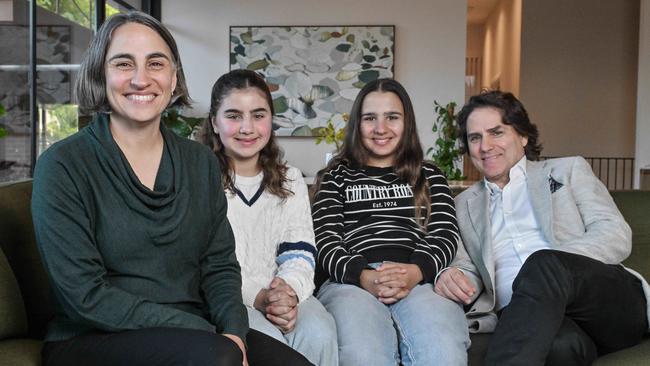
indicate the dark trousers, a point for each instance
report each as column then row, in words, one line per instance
column 567, row 309
column 168, row 347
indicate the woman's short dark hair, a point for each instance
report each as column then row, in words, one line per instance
column 512, row 112
column 90, row 87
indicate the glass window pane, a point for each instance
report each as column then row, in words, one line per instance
column 80, row 12
column 121, row 6
column 63, row 33
column 15, row 144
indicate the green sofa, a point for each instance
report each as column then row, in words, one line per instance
column 26, row 307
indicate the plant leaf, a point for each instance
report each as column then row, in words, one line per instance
column 258, row 65
column 247, row 37
column 302, row 131
column 368, row 75
column 343, row 47
column 280, row 104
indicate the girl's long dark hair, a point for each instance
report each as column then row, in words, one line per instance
column 408, row 155
column 271, row 157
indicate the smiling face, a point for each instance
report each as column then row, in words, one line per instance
column 494, row 147
column 140, row 74
column 381, row 127
column 243, row 123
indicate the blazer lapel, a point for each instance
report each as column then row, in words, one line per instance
column 539, row 192
column 479, row 212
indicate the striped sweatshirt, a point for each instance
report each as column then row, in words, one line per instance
column 366, row 215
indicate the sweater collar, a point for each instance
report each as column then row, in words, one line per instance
column 159, row 206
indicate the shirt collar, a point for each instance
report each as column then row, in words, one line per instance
column 517, row 173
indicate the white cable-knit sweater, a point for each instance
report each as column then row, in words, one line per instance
column 273, row 237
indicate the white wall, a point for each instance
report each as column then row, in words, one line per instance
column 502, row 47
column 579, row 66
column 6, row 10
column 429, row 49
column 475, row 40
column 642, row 154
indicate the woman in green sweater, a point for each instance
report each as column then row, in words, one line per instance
column 132, row 226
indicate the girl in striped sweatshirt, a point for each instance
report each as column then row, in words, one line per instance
column 385, row 227
column 268, row 209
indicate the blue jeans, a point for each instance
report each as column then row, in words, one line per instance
column 421, row 329
column 314, row 335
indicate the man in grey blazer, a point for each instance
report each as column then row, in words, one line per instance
column 543, row 243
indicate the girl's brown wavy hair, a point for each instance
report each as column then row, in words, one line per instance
column 271, row 156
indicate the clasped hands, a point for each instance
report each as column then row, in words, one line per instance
column 279, row 303
column 391, row 282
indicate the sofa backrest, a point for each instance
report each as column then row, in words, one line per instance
column 635, row 207
column 13, row 320
column 19, row 246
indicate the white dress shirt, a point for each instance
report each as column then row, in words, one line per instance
column 516, row 234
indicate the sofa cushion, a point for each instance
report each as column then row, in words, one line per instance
column 638, row 355
column 13, row 320
column 634, row 206
column 20, row 352
column 19, row 246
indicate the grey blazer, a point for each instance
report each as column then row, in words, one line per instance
column 575, row 212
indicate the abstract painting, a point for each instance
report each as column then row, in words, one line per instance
column 314, row 72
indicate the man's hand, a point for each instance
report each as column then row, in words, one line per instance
column 241, row 346
column 454, row 285
column 279, row 304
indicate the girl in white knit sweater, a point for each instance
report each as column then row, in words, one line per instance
column 268, row 209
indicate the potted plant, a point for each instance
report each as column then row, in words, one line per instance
column 181, row 125
column 445, row 152
column 331, row 135
column 3, row 131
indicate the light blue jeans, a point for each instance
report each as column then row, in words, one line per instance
column 421, row 329
column 314, row 335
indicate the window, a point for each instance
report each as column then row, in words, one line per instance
column 64, row 29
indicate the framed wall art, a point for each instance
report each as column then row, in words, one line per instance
column 314, row 72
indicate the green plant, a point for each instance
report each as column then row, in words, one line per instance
column 445, row 153
column 181, row 125
column 330, row 134
column 3, row 131
column 62, row 121
column 78, row 11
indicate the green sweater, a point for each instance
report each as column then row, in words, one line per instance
column 121, row 256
